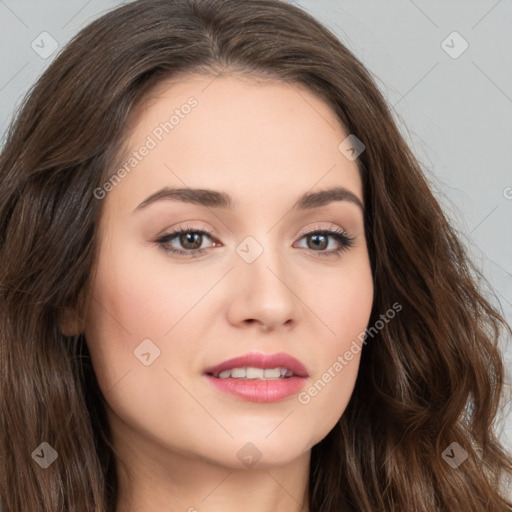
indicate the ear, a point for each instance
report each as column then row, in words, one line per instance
column 70, row 323
column 71, row 318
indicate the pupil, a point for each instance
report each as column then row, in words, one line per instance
column 323, row 246
column 185, row 239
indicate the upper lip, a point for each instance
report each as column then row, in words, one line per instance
column 264, row 361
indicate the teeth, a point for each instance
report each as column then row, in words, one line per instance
column 255, row 373
column 274, row 373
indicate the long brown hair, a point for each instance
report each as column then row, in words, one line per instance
column 431, row 377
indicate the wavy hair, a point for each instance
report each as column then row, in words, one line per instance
column 444, row 373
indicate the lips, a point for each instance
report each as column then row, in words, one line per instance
column 263, row 361
column 258, row 377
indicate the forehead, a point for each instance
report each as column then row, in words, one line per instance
column 237, row 134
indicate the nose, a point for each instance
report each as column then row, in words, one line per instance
column 263, row 294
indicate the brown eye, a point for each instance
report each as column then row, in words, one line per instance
column 318, row 241
column 189, row 241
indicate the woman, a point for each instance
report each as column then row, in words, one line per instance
column 322, row 344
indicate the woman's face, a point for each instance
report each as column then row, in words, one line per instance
column 159, row 322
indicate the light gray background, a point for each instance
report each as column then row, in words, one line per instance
column 456, row 113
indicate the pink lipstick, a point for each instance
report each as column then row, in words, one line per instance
column 259, row 377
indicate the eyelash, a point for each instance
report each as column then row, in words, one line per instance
column 340, row 236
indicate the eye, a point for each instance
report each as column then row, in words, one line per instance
column 320, row 240
column 191, row 241
column 189, row 238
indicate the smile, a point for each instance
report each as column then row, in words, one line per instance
column 259, row 377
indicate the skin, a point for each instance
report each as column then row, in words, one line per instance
column 177, row 437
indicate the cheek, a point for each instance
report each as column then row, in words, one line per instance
column 135, row 295
column 343, row 305
column 132, row 303
column 342, row 302
column 328, row 393
column 136, row 298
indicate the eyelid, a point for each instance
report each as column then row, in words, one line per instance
column 321, row 227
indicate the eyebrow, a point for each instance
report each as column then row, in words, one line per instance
column 217, row 199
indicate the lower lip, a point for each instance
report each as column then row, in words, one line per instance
column 256, row 390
